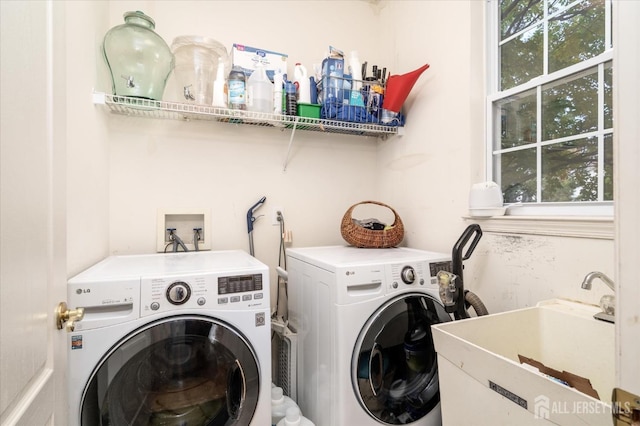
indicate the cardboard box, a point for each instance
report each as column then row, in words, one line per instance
column 249, row 57
column 577, row 382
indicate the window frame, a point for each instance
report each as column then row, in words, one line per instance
column 601, row 209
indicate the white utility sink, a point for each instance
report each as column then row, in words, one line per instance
column 482, row 381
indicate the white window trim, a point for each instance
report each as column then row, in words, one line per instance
column 595, row 221
column 597, row 227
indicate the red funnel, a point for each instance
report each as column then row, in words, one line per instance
column 398, row 88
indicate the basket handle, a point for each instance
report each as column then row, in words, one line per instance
column 395, row 214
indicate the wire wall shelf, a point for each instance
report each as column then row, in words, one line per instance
column 185, row 111
column 138, row 107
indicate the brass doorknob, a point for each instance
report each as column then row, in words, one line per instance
column 70, row 316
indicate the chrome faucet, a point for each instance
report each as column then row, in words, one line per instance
column 607, row 302
column 588, row 279
column 175, row 240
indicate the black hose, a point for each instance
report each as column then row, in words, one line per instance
column 473, row 300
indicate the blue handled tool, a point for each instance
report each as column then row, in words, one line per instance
column 251, row 219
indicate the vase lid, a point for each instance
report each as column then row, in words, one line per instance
column 205, row 42
column 141, row 15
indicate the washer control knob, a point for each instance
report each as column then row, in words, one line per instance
column 155, row 306
column 178, row 293
column 408, row 275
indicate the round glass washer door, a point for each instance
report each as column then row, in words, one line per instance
column 183, row 371
column 394, row 368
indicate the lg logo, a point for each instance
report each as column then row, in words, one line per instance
column 83, row 290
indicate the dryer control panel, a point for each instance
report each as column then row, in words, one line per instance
column 361, row 282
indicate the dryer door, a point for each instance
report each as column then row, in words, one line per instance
column 394, row 369
column 184, row 370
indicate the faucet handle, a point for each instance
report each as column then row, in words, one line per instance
column 608, row 304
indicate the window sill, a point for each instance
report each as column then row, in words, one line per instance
column 576, row 227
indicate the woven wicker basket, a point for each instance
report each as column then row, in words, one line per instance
column 359, row 236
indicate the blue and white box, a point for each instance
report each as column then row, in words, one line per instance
column 248, row 58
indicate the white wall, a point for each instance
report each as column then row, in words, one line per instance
column 227, row 168
column 87, row 138
column 138, row 166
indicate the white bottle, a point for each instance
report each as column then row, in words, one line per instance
column 355, row 69
column 259, row 91
column 294, row 418
column 278, row 84
column 301, row 80
column 279, row 405
column 218, row 87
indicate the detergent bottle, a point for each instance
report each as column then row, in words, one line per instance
column 294, row 418
column 301, row 80
column 279, row 405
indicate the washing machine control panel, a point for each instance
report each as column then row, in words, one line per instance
column 210, row 291
column 420, row 273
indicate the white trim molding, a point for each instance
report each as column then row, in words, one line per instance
column 595, row 227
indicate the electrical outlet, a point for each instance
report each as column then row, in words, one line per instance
column 274, row 215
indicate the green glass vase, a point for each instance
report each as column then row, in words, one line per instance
column 138, row 59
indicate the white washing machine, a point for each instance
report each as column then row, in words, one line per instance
column 171, row 339
column 363, row 317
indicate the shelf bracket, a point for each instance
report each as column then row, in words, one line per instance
column 99, row 98
column 293, row 132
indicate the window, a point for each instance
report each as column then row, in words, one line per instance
column 550, row 105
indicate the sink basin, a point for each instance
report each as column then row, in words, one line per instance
column 482, row 381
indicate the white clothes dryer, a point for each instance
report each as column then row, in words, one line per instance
column 363, row 317
column 171, row 339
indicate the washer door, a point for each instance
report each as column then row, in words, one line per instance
column 394, row 370
column 184, row 370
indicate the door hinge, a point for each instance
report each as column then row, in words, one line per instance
column 626, row 408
